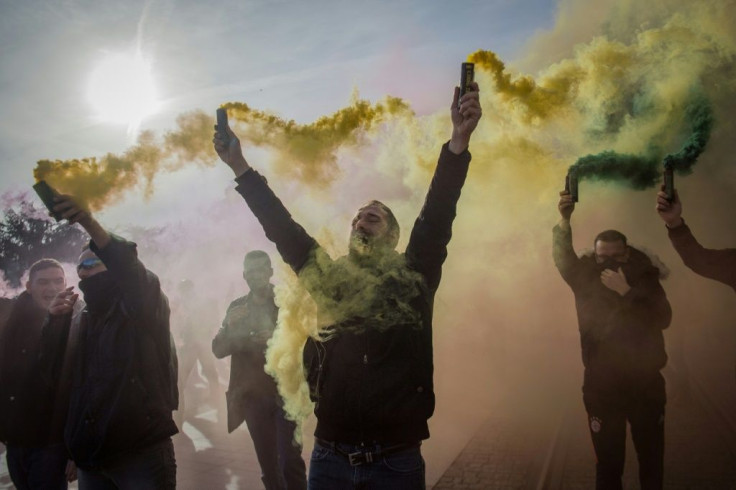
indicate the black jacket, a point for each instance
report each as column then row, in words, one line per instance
column 372, row 380
column 244, row 335
column 124, row 376
column 621, row 336
column 26, row 400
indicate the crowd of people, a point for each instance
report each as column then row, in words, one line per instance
column 89, row 386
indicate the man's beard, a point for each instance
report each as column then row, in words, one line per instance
column 364, row 247
column 361, row 244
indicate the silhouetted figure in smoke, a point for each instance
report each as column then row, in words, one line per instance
column 31, row 418
column 193, row 323
column 713, row 264
column 252, row 395
column 622, row 310
column 119, row 426
column 371, row 375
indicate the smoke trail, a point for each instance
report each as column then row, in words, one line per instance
column 296, row 323
column 701, row 115
column 626, row 99
column 303, row 152
column 621, row 88
column 642, row 172
column 314, row 145
column 637, row 171
column 538, row 100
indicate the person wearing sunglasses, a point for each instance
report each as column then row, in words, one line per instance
column 123, row 368
column 622, row 310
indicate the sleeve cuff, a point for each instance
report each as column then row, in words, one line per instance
column 680, row 231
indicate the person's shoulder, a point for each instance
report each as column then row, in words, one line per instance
column 6, row 306
column 238, row 302
column 647, row 261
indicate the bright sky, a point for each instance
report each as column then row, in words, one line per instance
column 299, row 59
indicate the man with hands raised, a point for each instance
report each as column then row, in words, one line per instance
column 622, row 310
column 371, row 379
column 123, row 368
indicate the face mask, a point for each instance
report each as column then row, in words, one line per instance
column 99, row 290
column 610, row 263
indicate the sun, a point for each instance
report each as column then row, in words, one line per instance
column 122, row 89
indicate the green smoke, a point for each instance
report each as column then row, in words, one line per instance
column 701, row 115
column 643, row 171
column 351, row 295
column 638, row 172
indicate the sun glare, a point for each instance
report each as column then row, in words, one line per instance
column 122, row 90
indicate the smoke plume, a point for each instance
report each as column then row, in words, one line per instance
column 642, row 172
column 620, row 89
column 305, row 152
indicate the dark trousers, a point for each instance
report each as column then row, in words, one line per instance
column 607, row 424
column 331, row 470
column 150, row 468
column 282, row 466
column 38, row 468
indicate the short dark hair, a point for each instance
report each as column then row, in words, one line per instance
column 256, row 254
column 393, row 225
column 610, row 236
column 43, row 264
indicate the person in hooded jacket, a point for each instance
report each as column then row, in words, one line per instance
column 123, row 389
column 622, row 310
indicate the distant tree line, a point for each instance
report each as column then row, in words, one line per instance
column 27, row 235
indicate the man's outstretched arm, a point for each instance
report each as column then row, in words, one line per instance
column 719, row 265
column 293, row 243
column 427, row 248
column 140, row 287
column 563, row 253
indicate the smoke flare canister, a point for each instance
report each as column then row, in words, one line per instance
column 571, row 185
column 669, row 180
column 222, row 125
column 46, row 193
column 467, row 73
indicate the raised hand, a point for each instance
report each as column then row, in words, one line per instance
column 230, row 152
column 615, row 281
column 566, row 205
column 63, row 303
column 670, row 212
column 465, row 118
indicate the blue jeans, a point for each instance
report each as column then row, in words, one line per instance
column 282, row 466
column 38, row 468
column 150, row 468
column 330, row 470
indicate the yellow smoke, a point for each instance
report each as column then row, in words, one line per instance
column 623, row 87
column 296, row 323
column 304, row 152
column 313, row 146
column 98, row 182
column 611, row 75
